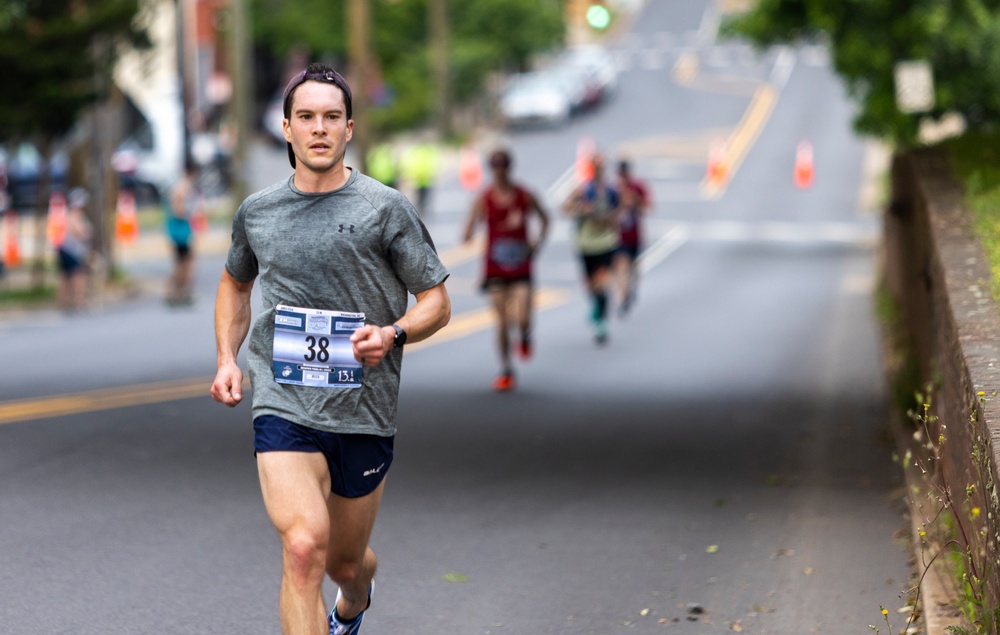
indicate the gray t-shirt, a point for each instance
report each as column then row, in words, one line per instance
column 357, row 249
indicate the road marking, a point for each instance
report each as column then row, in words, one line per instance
column 738, row 144
column 103, row 399
column 159, row 392
column 709, row 27
column 742, row 138
column 559, row 191
column 462, row 252
column 663, row 247
column 783, row 66
column 857, row 284
column 480, row 319
column 686, row 68
column 804, row 233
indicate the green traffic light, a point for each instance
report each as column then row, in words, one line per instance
column 598, row 16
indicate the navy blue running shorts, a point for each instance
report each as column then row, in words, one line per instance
column 592, row 263
column 358, row 462
column 496, row 283
column 631, row 251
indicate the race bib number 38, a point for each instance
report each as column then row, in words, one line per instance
column 312, row 347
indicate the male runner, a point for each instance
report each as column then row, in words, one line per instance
column 595, row 206
column 635, row 204
column 336, row 253
column 505, row 208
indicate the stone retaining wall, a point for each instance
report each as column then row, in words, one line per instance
column 937, row 272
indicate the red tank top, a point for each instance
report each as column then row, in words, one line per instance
column 630, row 229
column 507, row 250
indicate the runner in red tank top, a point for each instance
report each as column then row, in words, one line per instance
column 636, row 204
column 505, row 208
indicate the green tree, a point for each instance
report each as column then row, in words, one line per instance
column 56, row 58
column 486, row 36
column 959, row 38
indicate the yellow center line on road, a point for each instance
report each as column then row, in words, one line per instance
column 480, row 319
column 742, row 138
column 738, row 144
column 103, row 399
column 159, row 392
column 462, row 252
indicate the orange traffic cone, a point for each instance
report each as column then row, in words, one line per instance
column 126, row 221
column 717, row 170
column 805, row 169
column 11, row 243
column 470, row 168
column 55, row 226
column 585, row 150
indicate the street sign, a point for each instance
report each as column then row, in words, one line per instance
column 914, row 86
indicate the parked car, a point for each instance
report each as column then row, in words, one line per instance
column 536, row 97
column 273, row 119
column 23, row 168
column 579, row 83
column 597, row 63
column 141, row 177
column 152, row 155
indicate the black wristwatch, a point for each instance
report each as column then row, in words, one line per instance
column 400, row 338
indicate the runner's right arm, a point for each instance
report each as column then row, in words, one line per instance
column 232, row 323
column 576, row 204
column 475, row 215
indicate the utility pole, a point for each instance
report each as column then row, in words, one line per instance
column 103, row 179
column 440, row 38
column 360, row 56
column 242, row 98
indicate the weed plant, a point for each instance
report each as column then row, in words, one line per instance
column 953, row 527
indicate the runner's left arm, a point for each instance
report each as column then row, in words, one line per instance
column 543, row 218
column 645, row 202
column 430, row 313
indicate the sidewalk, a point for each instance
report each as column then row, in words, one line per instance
column 151, row 246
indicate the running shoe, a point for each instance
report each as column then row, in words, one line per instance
column 504, row 382
column 625, row 306
column 601, row 332
column 524, row 350
column 338, row 627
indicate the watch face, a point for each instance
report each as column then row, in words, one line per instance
column 400, row 336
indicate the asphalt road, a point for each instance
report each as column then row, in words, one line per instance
column 721, row 465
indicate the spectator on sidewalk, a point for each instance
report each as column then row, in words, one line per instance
column 183, row 203
column 383, row 164
column 420, row 166
column 74, row 253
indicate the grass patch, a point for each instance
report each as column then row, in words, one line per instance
column 976, row 159
column 26, row 296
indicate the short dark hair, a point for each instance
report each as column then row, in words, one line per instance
column 500, row 159
column 317, row 73
column 314, row 73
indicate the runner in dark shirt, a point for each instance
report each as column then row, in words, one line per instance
column 635, row 203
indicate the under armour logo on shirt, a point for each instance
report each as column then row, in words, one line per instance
column 349, row 229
